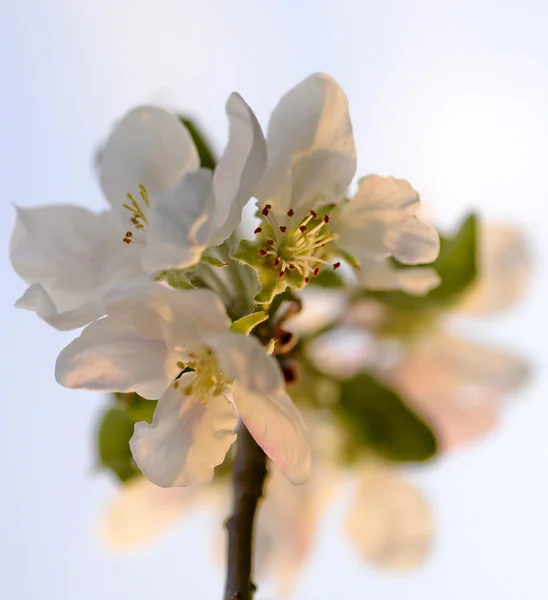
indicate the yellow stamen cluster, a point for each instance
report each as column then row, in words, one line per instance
column 138, row 219
column 295, row 246
column 208, row 378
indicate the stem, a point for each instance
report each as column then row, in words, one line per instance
column 248, row 476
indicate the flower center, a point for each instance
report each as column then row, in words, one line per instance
column 295, row 246
column 138, row 220
column 208, row 378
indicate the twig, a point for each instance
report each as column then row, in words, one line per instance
column 248, row 476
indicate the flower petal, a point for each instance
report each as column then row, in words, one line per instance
column 278, row 427
column 149, row 147
column 390, row 521
column 111, row 356
column 380, row 222
column 180, row 224
column 380, row 275
column 141, row 511
column 504, row 270
column 186, row 439
column 74, row 257
column 310, row 146
column 240, row 168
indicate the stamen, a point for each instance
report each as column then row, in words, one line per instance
column 302, row 228
column 290, row 212
column 258, row 230
column 313, row 214
column 307, row 279
column 326, row 219
column 281, row 274
column 269, row 242
column 316, row 271
column 277, row 262
column 262, row 252
column 283, row 229
column 336, row 265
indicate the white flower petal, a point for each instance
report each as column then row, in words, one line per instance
column 380, row 221
column 244, row 358
column 390, row 521
column 310, row 146
column 504, row 270
column 149, row 147
column 37, row 299
column 278, row 427
column 186, row 439
column 110, row 355
column 414, row 242
column 74, row 257
column 240, row 168
column 180, row 224
column 382, row 276
column 142, row 511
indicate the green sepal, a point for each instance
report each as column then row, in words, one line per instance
column 212, row 260
column 113, row 435
column 207, row 158
column 246, row 324
column 376, row 417
column 180, row 279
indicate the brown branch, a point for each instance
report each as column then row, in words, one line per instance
column 248, row 476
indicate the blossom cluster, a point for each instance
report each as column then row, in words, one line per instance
column 179, row 305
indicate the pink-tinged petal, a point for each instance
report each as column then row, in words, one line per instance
column 240, row 168
column 278, row 427
column 148, row 147
column 142, row 511
column 390, row 521
column 310, row 147
column 180, row 225
column 414, row 242
column 457, row 385
column 320, row 308
column 111, row 356
column 504, row 271
column 186, row 440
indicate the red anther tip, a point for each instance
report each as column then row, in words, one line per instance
column 336, row 265
column 302, row 228
column 314, row 215
column 290, row 212
column 291, row 267
column 126, row 240
column 316, row 271
column 268, row 206
column 262, row 252
column 270, row 242
column 265, row 211
column 307, row 279
column 129, row 234
column 258, row 230
column 283, row 229
column 326, row 218
column 281, row 274
column 277, row 261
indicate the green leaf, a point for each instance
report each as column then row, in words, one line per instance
column 376, row 417
column 246, row 324
column 115, row 431
column 456, row 266
column 139, row 408
column 207, row 158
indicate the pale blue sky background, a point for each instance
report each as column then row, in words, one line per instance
column 450, row 94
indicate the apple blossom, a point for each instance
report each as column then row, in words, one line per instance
column 177, row 346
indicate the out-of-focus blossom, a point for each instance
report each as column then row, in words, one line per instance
column 150, row 335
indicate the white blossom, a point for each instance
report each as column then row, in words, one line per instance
column 177, row 346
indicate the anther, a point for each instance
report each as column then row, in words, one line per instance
column 283, row 229
column 262, row 252
column 277, row 261
column 316, row 271
column 302, row 228
column 129, row 234
column 258, row 230
column 336, row 265
column 265, row 211
column 281, row 274
column 270, row 242
column 126, row 240
column 313, row 214
column 290, row 212
column 291, row 267
column 326, row 218
column 307, row 279
column 268, row 206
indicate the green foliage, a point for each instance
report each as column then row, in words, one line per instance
column 207, row 158
column 246, row 324
column 115, row 430
column 377, row 418
column 212, row 260
column 456, row 266
column 176, row 278
column 327, row 278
